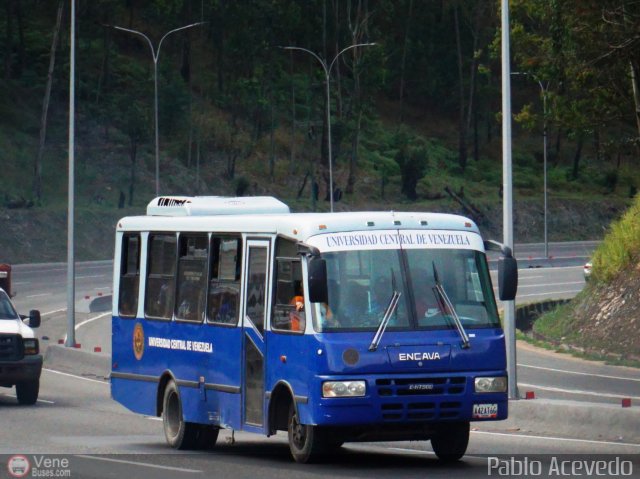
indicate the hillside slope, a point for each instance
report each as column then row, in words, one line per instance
column 605, row 318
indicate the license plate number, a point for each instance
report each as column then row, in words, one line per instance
column 485, row 411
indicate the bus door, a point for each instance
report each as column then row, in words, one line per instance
column 253, row 329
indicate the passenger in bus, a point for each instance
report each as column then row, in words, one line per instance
column 164, row 302
column 297, row 317
column 381, row 294
column 426, row 303
column 298, row 298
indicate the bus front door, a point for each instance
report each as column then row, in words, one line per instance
column 253, row 336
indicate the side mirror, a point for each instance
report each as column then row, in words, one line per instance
column 507, row 277
column 317, row 269
column 34, row 318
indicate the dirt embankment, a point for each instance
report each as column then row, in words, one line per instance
column 606, row 318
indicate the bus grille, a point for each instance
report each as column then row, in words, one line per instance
column 421, row 398
column 10, row 347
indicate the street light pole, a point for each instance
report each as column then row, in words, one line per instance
column 543, row 92
column 327, row 76
column 71, row 265
column 155, row 54
column 507, row 187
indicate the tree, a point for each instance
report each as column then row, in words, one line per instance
column 412, row 161
column 37, row 164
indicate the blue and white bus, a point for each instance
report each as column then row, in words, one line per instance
column 334, row 327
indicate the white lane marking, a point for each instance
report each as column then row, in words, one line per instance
column 20, row 282
column 91, row 276
column 142, row 464
column 549, row 284
column 86, row 321
column 578, row 391
column 153, row 418
column 566, row 439
column 38, row 295
column 53, row 312
column 39, row 400
column 547, row 294
column 531, row 277
column 578, row 373
column 74, row 376
column 103, row 288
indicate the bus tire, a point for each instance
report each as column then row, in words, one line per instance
column 306, row 443
column 27, row 392
column 450, row 441
column 179, row 433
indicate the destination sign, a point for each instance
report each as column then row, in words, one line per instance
column 395, row 239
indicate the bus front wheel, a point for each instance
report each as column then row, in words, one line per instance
column 305, row 442
column 450, row 441
column 179, row 433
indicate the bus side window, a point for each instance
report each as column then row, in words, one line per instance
column 192, row 274
column 288, row 313
column 224, row 280
column 129, row 275
column 160, row 290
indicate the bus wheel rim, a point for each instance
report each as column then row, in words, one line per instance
column 173, row 414
column 298, row 432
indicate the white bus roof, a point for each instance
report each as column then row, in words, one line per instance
column 214, row 205
column 298, row 226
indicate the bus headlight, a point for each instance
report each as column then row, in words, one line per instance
column 337, row 389
column 30, row 346
column 491, row 385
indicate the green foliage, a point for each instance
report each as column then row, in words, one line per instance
column 621, row 246
column 558, row 323
column 225, row 92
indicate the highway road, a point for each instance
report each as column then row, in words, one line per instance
column 77, row 420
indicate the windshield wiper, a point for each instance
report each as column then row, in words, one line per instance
column 393, row 304
column 445, row 305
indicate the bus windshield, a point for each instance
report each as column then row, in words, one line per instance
column 361, row 283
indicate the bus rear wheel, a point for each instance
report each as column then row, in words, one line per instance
column 450, row 441
column 306, row 443
column 179, row 433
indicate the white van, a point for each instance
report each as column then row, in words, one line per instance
column 20, row 358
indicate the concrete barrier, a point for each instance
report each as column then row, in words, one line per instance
column 77, row 361
column 94, row 304
column 574, row 419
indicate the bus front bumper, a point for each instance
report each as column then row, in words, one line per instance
column 407, row 399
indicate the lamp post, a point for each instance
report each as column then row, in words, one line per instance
column 71, row 208
column 327, row 76
column 155, row 53
column 543, row 92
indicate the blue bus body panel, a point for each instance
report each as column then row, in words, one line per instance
column 406, row 381
column 204, row 378
column 433, row 388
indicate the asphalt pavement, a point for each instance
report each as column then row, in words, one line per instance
column 76, row 419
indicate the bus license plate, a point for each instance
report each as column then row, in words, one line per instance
column 485, row 411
